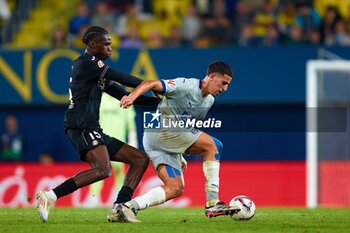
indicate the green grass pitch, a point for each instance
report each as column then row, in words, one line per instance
column 168, row 220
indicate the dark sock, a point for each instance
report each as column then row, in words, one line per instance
column 124, row 195
column 65, row 188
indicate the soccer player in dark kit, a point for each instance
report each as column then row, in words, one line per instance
column 90, row 77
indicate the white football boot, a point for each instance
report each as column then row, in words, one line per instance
column 44, row 204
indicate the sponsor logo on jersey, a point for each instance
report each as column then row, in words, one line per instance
column 100, row 64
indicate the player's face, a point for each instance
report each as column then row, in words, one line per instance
column 219, row 83
column 103, row 49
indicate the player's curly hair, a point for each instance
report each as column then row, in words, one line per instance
column 93, row 32
column 219, row 67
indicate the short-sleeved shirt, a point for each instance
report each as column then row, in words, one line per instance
column 184, row 98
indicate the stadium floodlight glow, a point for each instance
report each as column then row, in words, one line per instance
column 314, row 68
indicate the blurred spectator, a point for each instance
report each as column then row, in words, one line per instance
column 11, row 141
column 155, row 39
column 77, row 42
column 286, row 18
column 203, row 6
column 132, row 40
column 59, row 37
column 341, row 36
column 82, row 18
column 175, row 39
column 170, row 10
column 263, row 19
column 307, row 17
column 203, row 41
column 102, row 16
column 246, row 36
column 191, row 24
column 207, row 23
column 242, row 17
column 46, row 159
column 314, row 37
column 216, row 25
column 120, row 6
column 5, row 13
column 254, row 5
column 295, row 37
column 272, row 38
column 327, row 27
column 129, row 19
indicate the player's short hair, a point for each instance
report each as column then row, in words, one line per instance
column 219, row 67
column 92, row 33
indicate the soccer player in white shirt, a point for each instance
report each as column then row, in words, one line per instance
column 183, row 98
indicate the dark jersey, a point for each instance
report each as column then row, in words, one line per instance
column 90, row 77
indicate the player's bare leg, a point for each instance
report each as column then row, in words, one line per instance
column 101, row 168
column 98, row 159
column 138, row 162
column 173, row 187
column 211, row 149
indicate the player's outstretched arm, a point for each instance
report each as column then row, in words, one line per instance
column 118, row 92
column 154, row 85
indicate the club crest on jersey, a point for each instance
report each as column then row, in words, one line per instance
column 100, row 64
column 171, row 82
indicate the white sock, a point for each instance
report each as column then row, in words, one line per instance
column 211, row 173
column 153, row 197
column 51, row 194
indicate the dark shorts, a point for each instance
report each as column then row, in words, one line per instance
column 87, row 139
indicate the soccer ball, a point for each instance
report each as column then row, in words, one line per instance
column 246, row 205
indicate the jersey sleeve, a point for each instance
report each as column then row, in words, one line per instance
column 123, row 78
column 95, row 68
column 115, row 90
column 171, row 87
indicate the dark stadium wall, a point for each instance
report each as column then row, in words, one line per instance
column 264, row 109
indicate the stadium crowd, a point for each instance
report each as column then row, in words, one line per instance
column 209, row 23
column 200, row 23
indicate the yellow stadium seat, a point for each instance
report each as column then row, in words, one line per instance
column 342, row 5
column 37, row 30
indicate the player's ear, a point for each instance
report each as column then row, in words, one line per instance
column 92, row 44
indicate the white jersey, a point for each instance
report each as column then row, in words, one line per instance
column 183, row 99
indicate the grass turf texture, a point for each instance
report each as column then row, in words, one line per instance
column 167, row 220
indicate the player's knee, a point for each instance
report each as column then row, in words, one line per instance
column 103, row 173
column 176, row 190
column 218, row 147
column 141, row 160
column 144, row 160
